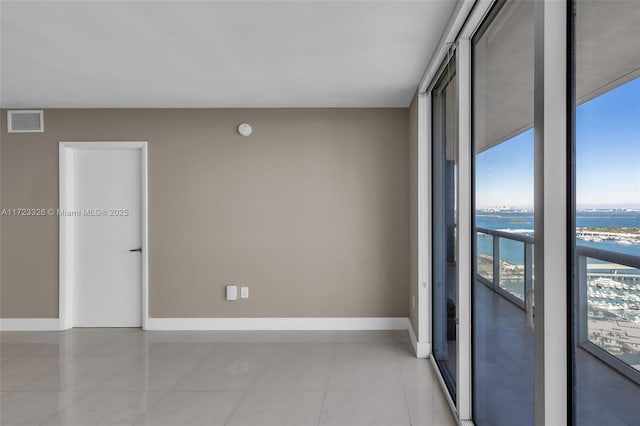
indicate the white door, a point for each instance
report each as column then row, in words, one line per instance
column 107, row 236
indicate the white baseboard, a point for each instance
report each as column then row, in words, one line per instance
column 29, row 324
column 421, row 349
column 278, row 324
column 231, row 324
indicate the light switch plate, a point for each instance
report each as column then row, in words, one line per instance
column 244, row 292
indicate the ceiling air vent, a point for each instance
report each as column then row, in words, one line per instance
column 23, row 121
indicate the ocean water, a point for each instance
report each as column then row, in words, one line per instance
column 605, row 303
column 522, row 222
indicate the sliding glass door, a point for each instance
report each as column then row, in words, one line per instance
column 606, row 246
column 502, row 290
column 444, row 261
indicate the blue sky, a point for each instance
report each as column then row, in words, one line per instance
column 504, row 173
column 607, row 157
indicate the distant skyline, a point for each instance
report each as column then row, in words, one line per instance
column 607, row 157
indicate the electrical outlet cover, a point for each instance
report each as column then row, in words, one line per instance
column 232, row 292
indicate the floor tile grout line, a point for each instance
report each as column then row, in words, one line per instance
column 99, row 345
column 226, row 422
column 393, row 358
column 156, row 402
column 404, row 393
column 406, row 399
column 84, row 395
column 326, row 386
column 198, row 364
column 116, row 373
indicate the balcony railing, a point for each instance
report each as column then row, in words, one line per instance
column 607, row 296
column 511, row 275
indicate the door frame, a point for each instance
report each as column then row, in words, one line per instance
column 66, row 232
column 552, row 393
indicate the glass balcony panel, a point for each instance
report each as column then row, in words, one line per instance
column 613, row 309
column 485, row 256
column 512, row 267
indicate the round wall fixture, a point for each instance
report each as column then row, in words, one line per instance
column 244, row 129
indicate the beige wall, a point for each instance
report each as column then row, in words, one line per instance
column 310, row 211
column 413, row 213
column 29, row 246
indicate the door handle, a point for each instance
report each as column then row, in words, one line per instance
column 138, row 249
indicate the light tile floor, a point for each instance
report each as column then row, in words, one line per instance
column 125, row 377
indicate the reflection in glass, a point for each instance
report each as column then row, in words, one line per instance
column 445, row 158
column 503, row 139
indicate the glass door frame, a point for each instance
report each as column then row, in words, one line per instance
column 552, row 176
column 552, row 109
column 440, row 126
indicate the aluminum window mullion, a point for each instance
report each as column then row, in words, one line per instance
column 550, row 123
column 465, row 214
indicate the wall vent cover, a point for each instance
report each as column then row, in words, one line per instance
column 23, row 121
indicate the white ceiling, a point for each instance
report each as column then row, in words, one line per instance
column 216, row 53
